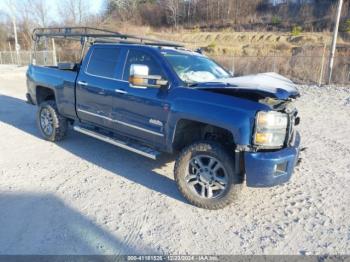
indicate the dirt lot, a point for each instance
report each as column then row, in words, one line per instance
column 83, row 196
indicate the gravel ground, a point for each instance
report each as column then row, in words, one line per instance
column 83, row 196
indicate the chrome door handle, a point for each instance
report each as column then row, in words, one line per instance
column 120, row 91
column 82, row 83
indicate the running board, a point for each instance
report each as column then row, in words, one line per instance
column 133, row 147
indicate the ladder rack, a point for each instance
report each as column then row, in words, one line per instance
column 95, row 35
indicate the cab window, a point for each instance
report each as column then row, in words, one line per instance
column 103, row 62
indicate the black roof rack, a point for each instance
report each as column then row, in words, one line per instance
column 97, row 35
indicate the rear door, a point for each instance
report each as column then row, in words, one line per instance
column 96, row 83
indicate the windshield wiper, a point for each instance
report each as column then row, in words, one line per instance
column 211, row 84
column 192, row 84
column 202, row 83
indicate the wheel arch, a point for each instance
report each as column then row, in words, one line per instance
column 188, row 131
column 44, row 93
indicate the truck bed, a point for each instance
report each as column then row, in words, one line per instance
column 61, row 82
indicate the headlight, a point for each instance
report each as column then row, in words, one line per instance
column 271, row 129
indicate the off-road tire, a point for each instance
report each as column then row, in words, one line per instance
column 221, row 153
column 60, row 123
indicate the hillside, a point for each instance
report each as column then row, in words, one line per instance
column 252, row 43
column 303, row 56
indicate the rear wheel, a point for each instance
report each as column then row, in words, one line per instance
column 51, row 124
column 205, row 175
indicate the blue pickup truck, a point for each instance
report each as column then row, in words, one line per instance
column 151, row 97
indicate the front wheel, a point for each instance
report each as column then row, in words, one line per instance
column 51, row 124
column 205, row 175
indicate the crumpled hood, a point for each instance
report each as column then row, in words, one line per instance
column 267, row 84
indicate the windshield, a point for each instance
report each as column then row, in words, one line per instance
column 194, row 68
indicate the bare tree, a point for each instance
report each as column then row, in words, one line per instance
column 4, row 29
column 125, row 10
column 173, row 7
column 26, row 22
column 40, row 11
column 73, row 12
column 12, row 11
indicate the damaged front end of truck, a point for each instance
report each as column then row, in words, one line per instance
column 274, row 149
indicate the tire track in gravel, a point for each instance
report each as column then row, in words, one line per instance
column 137, row 225
column 318, row 218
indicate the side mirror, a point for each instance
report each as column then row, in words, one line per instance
column 140, row 78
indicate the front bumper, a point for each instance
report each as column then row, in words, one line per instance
column 267, row 169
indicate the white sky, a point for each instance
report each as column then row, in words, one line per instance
column 95, row 6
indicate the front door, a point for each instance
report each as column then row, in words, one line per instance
column 142, row 112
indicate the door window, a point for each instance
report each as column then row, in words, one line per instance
column 142, row 58
column 103, row 62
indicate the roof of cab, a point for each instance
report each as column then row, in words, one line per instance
column 161, row 49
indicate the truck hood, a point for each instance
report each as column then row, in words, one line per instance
column 266, row 85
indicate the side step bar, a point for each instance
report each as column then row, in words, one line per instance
column 133, row 147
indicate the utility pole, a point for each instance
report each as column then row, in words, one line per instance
column 11, row 53
column 13, row 18
column 334, row 42
column 54, row 57
column 16, row 39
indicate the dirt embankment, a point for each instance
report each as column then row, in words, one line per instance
column 255, row 43
column 302, row 57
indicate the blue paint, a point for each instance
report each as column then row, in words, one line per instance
column 260, row 166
